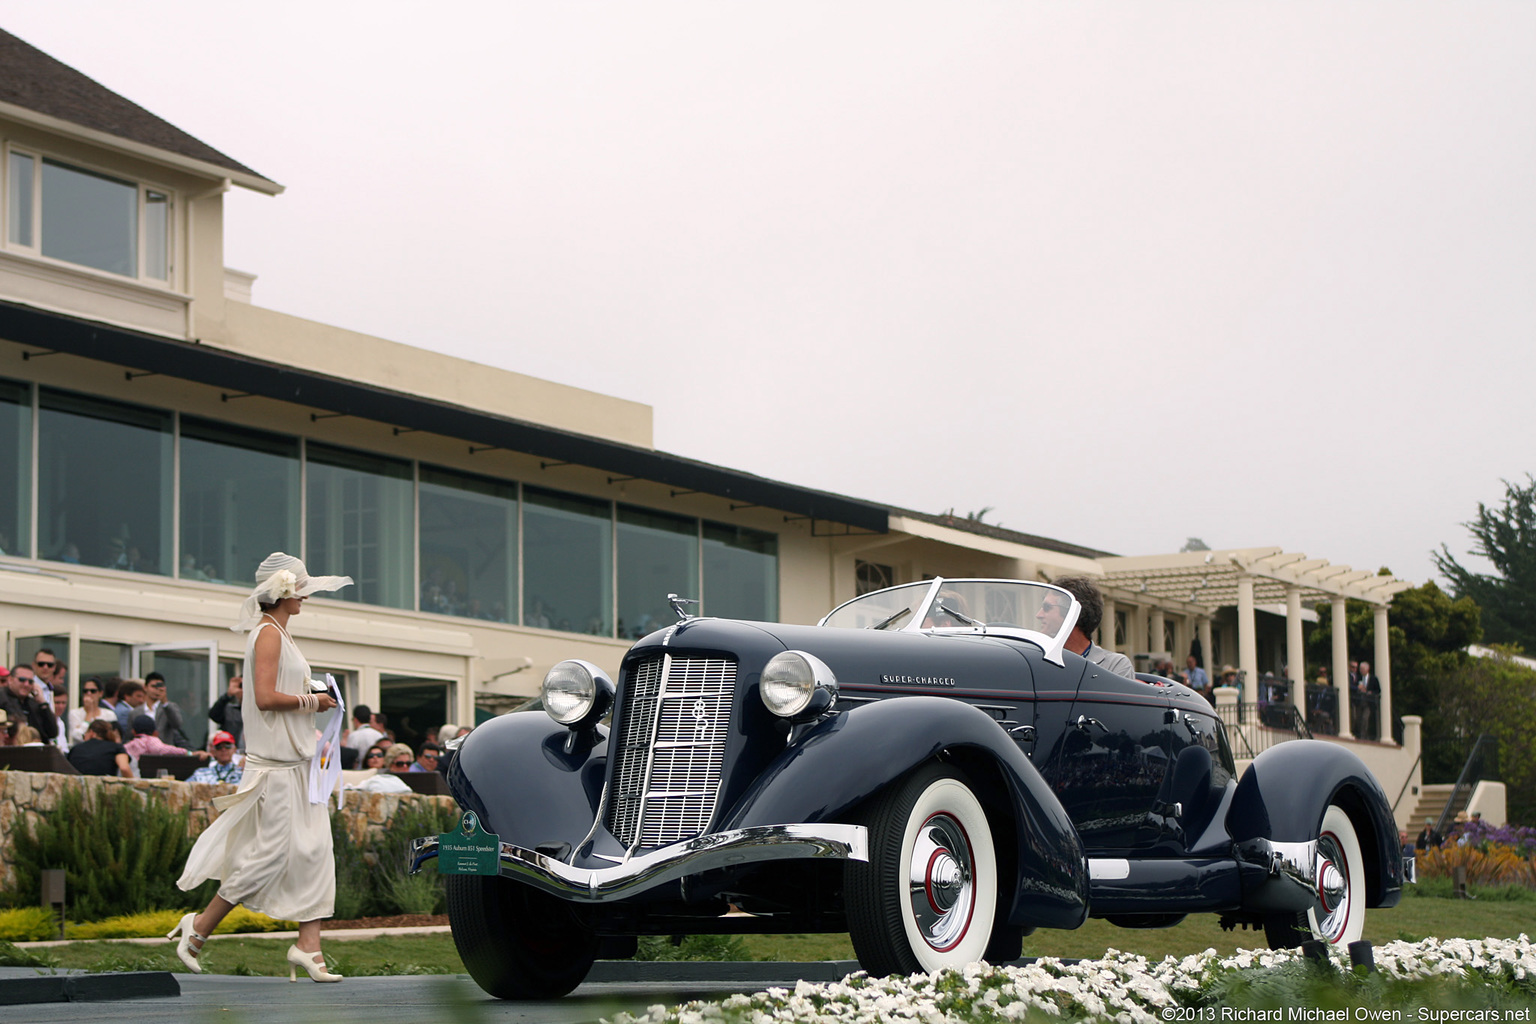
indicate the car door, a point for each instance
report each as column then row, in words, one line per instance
column 1110, row 759
column 1202, row 767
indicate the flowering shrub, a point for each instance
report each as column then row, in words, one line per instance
column 1522, row 838
column 1489, row 864
column 1121, row 987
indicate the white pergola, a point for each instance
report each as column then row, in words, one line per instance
column 1199, row 582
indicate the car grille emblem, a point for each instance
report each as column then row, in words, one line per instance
column 700, row 714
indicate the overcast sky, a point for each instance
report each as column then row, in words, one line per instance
column 1126, row 273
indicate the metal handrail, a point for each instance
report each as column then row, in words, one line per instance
column 1462, row 780
column 1241, row 721
column 1416, row 762
column 1303, row 732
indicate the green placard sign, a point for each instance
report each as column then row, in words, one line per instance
column 468, row 849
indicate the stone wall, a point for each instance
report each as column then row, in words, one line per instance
column 26, row 795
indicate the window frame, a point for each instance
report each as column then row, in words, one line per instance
column 142, row 188
column 525, row 495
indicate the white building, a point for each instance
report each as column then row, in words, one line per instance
column 160, row 433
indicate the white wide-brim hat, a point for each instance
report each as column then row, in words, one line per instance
column 282, row 576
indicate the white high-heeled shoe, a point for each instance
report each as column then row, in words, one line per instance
column 313, row 964
column 184, row 948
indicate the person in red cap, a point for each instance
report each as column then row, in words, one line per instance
column 223, row 767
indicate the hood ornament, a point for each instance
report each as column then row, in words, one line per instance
column 683, row 615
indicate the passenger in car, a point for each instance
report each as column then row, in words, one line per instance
column 1090, row 613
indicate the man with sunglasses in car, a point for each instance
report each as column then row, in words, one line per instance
column 1053, row 612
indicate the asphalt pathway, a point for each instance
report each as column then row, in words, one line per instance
column 426, row 999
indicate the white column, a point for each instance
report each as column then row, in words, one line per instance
column 1247, row 639
column 1107, row 627
column 1295, row 654
column 1205, row 647
column 1340, row 669
column 1135, row 630
column 1412, row 746
column 1383, row 668
column 1156, row 628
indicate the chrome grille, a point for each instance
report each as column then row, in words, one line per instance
column 671, row 748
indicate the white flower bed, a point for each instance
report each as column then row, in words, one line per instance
column 1121, row 987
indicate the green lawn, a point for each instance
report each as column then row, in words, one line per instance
column 1415, row 918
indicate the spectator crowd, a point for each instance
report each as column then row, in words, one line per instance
column 120, row 721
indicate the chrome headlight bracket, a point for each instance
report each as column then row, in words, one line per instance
column 797, row 686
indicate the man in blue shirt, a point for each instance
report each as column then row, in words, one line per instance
column 1195, row 677
column 426, row 761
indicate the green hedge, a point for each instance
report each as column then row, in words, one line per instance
column 122, row 855
column 371, row 878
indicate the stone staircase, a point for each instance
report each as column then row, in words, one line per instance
column 1432, row 801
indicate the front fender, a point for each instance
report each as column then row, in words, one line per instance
column 1284, row 793
column 514, row 772
column 825, row 774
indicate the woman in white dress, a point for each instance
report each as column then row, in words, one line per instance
column 270, row 846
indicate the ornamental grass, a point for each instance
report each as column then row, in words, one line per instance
column 1491, row 864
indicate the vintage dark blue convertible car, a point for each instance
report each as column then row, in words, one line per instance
column 928, row 769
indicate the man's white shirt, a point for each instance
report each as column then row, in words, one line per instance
column 361, row 739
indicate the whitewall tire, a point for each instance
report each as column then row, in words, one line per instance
column 927, row 899
column 1338, row 916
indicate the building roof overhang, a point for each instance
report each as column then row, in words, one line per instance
column 40, row 90
column 1210, row 578
column 207, row 365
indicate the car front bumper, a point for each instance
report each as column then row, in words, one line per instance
column 638, row 873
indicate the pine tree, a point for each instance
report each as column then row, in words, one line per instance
column 1506, row 537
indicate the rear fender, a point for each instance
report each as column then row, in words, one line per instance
column 1284, row 793
column 829, row 771
column 516, row 774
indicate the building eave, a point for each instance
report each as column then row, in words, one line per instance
column 214, row 367
column 153, row 154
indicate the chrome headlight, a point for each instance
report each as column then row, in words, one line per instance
column 797, row 685
column 577, row 693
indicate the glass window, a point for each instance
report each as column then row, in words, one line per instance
column 468, row 546
column 360, row 524
column 186, row 686
column 19, row 199
column 15, row 468
column 414, row 706
column 157, row 222
column 90, row 219
column 239, row 499
column 869, row 577
column 104, row 483
column 658, row 555
column 567, row 562
column 741, row 573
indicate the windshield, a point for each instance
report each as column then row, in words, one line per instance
column 1037, row 612
column 881, row 609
